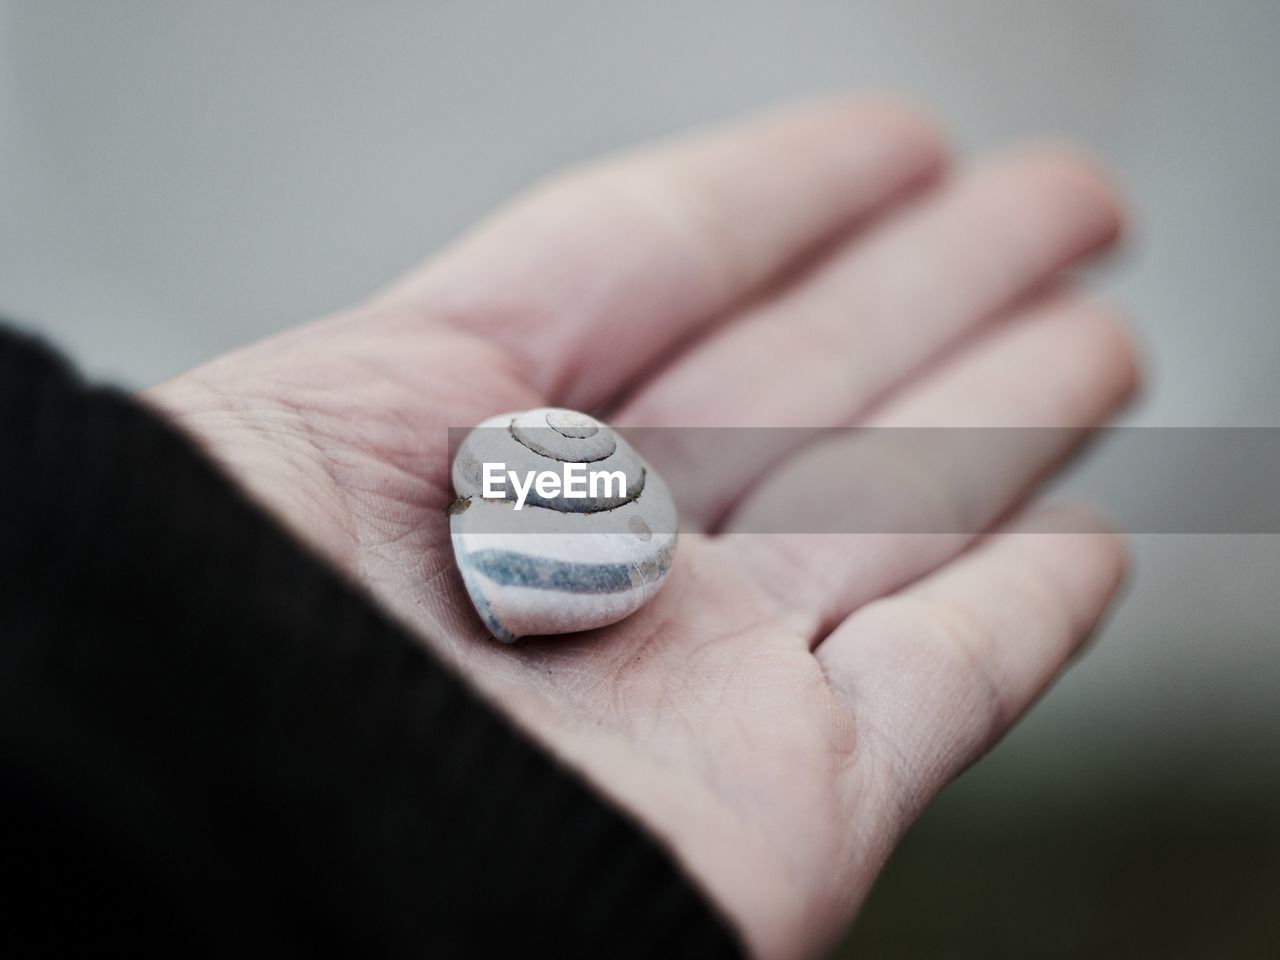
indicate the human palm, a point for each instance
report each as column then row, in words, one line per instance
column 787, row 704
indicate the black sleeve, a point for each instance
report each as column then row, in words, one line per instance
column 213, row 745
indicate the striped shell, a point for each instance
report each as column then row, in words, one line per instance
column 559, row 564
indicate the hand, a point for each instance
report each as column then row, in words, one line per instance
column 787, row 705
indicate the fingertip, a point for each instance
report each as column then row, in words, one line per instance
column 872, row 117
column 1091, row 531
column 900, row 120
column 1122, row 365
column 1082, row 179
column 1107, row 358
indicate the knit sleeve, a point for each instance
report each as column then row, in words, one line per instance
column 211, row 744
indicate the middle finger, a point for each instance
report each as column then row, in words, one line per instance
column 881, row 306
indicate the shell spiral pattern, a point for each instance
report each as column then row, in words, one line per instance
column 548, row 558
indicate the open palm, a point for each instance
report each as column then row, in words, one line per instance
column 788, row 703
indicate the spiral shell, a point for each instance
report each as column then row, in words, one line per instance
column 544, row 560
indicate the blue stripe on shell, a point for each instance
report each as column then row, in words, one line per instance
column 507, row 568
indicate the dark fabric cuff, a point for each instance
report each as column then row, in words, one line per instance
column 211, row 743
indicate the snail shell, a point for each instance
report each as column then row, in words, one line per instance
column 556, row 563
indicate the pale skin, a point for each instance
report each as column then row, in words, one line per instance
column 788, row 704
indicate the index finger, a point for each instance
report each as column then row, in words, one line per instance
column 593, row 277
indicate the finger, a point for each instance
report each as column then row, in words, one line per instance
column 595, row 275
column 935, row 675
column 876, row 311
column 1053, row 372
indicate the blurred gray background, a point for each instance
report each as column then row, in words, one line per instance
column 179, row 178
